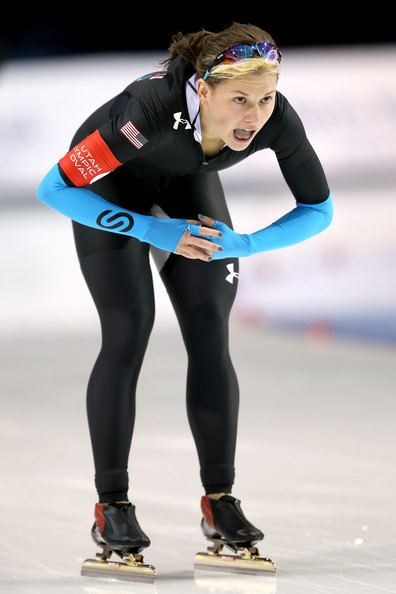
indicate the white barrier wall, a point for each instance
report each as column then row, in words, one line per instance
column 341, row 280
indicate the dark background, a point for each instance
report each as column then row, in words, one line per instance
column 77, row 28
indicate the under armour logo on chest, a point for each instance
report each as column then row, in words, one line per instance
column 230, row 277
column 180, row 120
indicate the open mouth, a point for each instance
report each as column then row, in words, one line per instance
column 243, row 135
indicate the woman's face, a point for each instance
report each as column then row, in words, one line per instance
column 244, row 103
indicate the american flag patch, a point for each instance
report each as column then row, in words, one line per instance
column 134, row 136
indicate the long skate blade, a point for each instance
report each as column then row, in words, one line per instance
column 220, row 562
column 118, row 570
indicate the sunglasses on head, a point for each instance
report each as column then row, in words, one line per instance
column 241, row 51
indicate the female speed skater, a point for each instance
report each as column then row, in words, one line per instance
column 140, row 176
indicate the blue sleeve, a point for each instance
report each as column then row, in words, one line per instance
column 87, row 207
column 297, row 225
column 300, row 223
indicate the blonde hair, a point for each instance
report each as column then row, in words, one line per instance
column 242, row 68
column 202, row 47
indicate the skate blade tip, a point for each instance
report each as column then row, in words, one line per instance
column 118, row 570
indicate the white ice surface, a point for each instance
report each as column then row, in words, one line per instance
column 315, row 465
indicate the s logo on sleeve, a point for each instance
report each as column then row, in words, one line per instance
column 115, row 221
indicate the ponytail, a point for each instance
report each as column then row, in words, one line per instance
column 200, row 49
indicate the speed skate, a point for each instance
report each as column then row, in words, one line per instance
column 224, row 524
column 116, row 529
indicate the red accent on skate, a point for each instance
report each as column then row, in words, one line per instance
column 89, row 158
column 206, row 507
column 99, row 516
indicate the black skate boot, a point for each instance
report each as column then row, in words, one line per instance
column 225, row 524
column 117, row 530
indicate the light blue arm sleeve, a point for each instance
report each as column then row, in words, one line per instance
column 87, row 207
column 300, row 223
column 297, row 225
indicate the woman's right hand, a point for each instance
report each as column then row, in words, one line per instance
column 191, row 246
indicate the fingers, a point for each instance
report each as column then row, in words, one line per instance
column 204, row 244
column 206, row 230
column 195, row 253
column 192, row 246
column 201, row 243
column 206, row 220
column 195, row 247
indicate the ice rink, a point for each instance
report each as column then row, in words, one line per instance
column 315, row 460
column 315, row 465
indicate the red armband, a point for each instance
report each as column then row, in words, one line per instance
column 89, row 158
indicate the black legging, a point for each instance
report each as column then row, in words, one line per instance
column 118, row 274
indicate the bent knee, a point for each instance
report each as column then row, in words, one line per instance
column 124, row 329
column 206, row 328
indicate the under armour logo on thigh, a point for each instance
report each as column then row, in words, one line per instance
column 230, row 277
column 118, row 219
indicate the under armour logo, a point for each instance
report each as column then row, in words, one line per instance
column 230, row 277
column 180, row 120
column 121, row 219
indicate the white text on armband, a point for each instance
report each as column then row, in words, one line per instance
column 85, row 162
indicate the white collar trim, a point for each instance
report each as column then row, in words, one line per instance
column 193, row 106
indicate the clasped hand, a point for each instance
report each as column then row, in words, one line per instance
column 229, row 243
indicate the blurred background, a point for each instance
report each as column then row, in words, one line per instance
column 338, row 75
column 313, row 327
